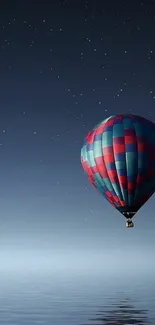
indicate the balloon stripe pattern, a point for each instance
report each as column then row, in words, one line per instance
column 119, row 157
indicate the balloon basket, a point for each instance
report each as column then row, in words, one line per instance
column 129, row 223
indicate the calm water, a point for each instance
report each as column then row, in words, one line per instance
column 76, row 298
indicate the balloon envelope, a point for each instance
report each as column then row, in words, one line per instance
column 119, row 157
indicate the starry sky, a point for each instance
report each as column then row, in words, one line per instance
column 65, row 66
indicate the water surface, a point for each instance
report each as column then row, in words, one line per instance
column 76, row 298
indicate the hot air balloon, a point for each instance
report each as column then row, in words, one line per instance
column 119, row 157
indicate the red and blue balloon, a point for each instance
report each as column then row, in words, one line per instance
column 119, row 157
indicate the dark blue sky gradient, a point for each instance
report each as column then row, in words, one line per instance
column 64, row 66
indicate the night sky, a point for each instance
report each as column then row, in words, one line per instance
column 65, row 66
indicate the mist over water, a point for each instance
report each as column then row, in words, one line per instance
column 76, row 273
column 75, row 288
